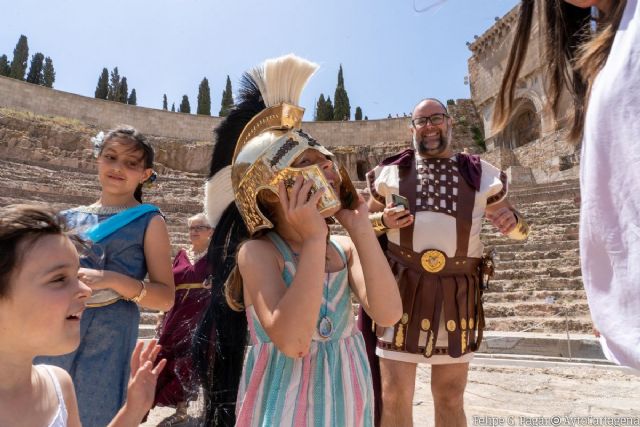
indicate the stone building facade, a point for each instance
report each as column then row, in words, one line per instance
column 533, row 146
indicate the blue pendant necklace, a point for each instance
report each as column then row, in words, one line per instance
column 325, row 326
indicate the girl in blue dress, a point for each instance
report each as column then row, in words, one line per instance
column 130, row 240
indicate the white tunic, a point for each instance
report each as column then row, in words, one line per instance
column 610, row 187
column 435, row 230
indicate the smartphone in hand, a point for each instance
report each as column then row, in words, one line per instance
column 401, row 203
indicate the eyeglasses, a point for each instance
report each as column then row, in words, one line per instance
column 199, row 228
column 435, row 119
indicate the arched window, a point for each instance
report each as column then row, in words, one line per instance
column 525, row 125
column 361, row 170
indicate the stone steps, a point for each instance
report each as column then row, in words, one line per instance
column 538, row 273
column 536, row 281
column 536, row 284
column 552, row 254
column 558, row 323
column 534, row 308
column 505, row 265
column 547, row 296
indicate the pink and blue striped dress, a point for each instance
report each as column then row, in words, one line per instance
column 330, row 386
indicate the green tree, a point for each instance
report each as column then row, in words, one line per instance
column 329, row 109
column 204, row 98
column 35, row 75
column 341, row 106
column 366, row 117
column 227, row 99
column 164, row 101
column 184, row 105
column 114, row 85
column 20, row 57
column 132, row 100
column 321, row 108
column 358, row 115
column 173, row 107
column 123, row 91
column 5, row 68
column 102, row 88
column 48, row 73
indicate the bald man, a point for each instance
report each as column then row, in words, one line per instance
column 435, row 251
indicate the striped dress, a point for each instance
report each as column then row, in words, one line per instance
column 330, row 386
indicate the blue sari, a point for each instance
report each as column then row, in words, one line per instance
column 108, row 334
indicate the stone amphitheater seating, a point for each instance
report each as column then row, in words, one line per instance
column 537, row 286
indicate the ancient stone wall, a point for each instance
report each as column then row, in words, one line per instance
column 550, row 158
column 103, row 114
column 184, row 141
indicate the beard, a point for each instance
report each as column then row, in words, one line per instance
column 420, row 144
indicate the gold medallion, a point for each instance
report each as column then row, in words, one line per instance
column 433, row 261
column 471, row 323
column 425, row 324
column 463, row 323
column 451, row 325
column 405, row 319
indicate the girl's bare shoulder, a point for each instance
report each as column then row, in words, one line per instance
column 346, row 244
column 258, row 250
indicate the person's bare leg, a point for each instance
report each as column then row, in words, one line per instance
column 398, row 380
column 447, row 386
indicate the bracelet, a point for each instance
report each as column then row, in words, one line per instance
column 143, row 292
column 521, row 230
column 377, row 222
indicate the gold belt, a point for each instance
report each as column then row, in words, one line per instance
column 434, row 261
column 189, row 286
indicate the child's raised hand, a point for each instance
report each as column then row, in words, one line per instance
column 144, row 376
column 355, row 219
column 301, row 210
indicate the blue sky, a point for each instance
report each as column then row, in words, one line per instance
column 392, row 53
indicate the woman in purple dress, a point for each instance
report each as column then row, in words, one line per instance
column 190, row 271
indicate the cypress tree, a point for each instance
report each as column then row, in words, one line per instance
column 123, row 91
column 5, row 68
column 20, row 57
column 173, row 107
column 204, row 98
column 114, row 85
column 358, row 115
column 35, row 75
column 341, row 108
column 132, row 100
column 329, row 109
column 164, row 101
column 227, row 99
column 184, row 105
column 320, row 108
column 102, row 88
column 49, row 73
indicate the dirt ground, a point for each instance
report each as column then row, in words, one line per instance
column 509, row 393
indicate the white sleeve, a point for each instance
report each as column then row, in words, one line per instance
column 494, row 183
column 381, row 182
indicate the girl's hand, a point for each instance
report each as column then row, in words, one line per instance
column 355, row 219
column 144, row 376
column 301, row 210
column 95, row 279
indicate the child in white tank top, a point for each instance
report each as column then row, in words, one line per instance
column 41, row 302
